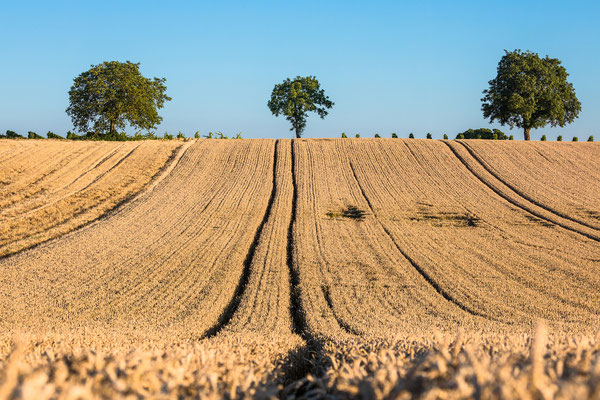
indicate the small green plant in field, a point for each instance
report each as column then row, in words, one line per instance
column 575, row 139
column 238, row 136
column 543, row 138
column 494, row 136
column 52, row 135
column 209, row 136
column 377, row 135
column 429, row 136
column 445, row 137
column 559, row 138
column 33, row 135
column 221, row 135
column 344, row 135
column 591, row 138
column 511, row 137
column 167, row 136
column 197, row 135
column 394, row 136
column 411, row 136
column 151, row 136
column 358, row 135
column 180, row 135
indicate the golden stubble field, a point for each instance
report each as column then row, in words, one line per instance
column 310, row 268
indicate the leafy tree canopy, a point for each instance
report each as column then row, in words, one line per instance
column 110, row 95
column 484, row 133
column 530, row 92
column 295, row 98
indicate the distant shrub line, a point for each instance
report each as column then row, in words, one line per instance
column 117, row 136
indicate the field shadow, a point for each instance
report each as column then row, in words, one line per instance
column 534, row 219
column 350, row 212
column 446, row 218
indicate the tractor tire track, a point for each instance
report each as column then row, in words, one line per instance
column 520, row 201
column 412, row 262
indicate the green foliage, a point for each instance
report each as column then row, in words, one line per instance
column 483, row 133
column 294, row 99
column 591, row 138
column 411, row 136
column 238, row 136
column 445, row 137
column 543, row 138
column 394, row 136
column 11, row 135
column 151, row 136
column 209, row 136
column 559, row 138
column 72, row 136
column 529, row 92
column 511, row 137
column 575, row 139
column 197, row 135
column 52, row 135
column 180, row 135
column 460, row 136
column 112, row 94
column 429, row 136
column 33, row 135
column 358, row 135
column 494, row 136
column 344, row 135
column 220, row 135
column 167, row 136
column 377, row 135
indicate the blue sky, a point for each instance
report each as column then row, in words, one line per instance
column 388, row 66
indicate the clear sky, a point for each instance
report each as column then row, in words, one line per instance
column 389, row 66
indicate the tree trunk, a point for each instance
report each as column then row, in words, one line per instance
column 112, row 127
column 526, row 133
column 297, row 134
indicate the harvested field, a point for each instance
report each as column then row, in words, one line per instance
column 51, row 187
column 376, row 268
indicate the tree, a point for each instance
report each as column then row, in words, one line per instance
column 530, row 92
column 112, row 94
column 296, row 98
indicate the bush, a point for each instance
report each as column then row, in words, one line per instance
column 484, row 133
column 394, row 136
column 72, row 136
column 494, row 136
column 344, row 135
column 591, row 138
column 52, row 135
column 12, row 135
column 197, row 135
column 167, row 136
column 543, row 139
column 575, row 139
column 429, row 136
column 180, row 135
column 377, row 135
column 238, row 136
column 511, row 137
column 460, row 136
column 411, row 136
column 33, row 135
column 358, row 135
column 559, row 138
column 209, row 136
column 445, row 137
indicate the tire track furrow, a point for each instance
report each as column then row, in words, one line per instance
column 416, row 266
column 519, row 204
column 521, row 193
column 231, row 308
